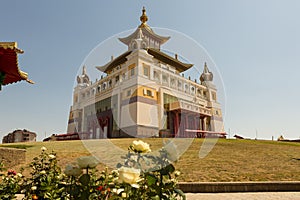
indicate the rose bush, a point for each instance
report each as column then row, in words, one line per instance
column 143, row 175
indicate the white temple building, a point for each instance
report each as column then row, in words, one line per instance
column 145, row 95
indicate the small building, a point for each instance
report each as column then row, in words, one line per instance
column 9, row 69
column 19, row 136
column 63, row 137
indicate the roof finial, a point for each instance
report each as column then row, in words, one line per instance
column 205, row 68
column 83, row 70
column 144, row 17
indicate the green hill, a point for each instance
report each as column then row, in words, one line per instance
column 229, row 160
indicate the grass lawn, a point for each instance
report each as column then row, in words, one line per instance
column 229, row 160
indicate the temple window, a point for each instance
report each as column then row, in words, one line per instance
column 131, row 69
column 132, row 72
column 172, row 81
column 179, row 84
column 155, row 75
column 198, row 92
column 214, row 96
column 192, row 89
column 146, row 70
column 148, row 93
column 165, row 79
column 186, row 88
column 117, row 79
column 128, row 93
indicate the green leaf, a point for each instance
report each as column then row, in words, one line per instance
column 151, row 179
column 170, row 168
column 84, row 179
column 155, row 198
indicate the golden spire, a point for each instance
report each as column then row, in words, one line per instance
column 144, row 17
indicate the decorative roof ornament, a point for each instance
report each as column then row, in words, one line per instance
column 144, row 17
column 206, row 74
column 140, row 34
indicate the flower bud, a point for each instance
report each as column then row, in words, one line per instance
column 44, row 149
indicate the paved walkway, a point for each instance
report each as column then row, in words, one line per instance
column 244, row 196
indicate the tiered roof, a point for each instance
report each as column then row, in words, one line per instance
column 141, row 33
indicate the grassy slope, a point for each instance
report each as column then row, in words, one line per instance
column 229, row 160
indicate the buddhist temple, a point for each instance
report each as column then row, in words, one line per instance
column 144, row 94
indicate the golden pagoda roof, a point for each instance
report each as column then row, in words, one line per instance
column 146, row 31
column 114, row 63
column 159, row 55
column 9, row 63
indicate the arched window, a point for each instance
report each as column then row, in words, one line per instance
column 155, row 75
column 186, row 88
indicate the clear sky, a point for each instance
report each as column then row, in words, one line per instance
column 254, row 43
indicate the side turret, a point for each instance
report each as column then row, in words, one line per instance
column 83, row 79
column 206, row 75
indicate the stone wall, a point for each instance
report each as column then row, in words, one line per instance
column 12, row 156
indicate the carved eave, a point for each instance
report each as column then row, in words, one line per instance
column 9, row 63
column 114, row 63
column 180, row 66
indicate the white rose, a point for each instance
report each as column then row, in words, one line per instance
column 43, row 172
column 72, row 170
column 44, row 149
column 140, row 146
column 115, row 172
column 87, row 162
column 177, row 173
column 129, row 175
column 51, row 156
column 118, row 191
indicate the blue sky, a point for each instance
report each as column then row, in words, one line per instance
column 255, row 45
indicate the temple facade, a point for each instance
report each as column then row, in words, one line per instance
column 144, row 94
